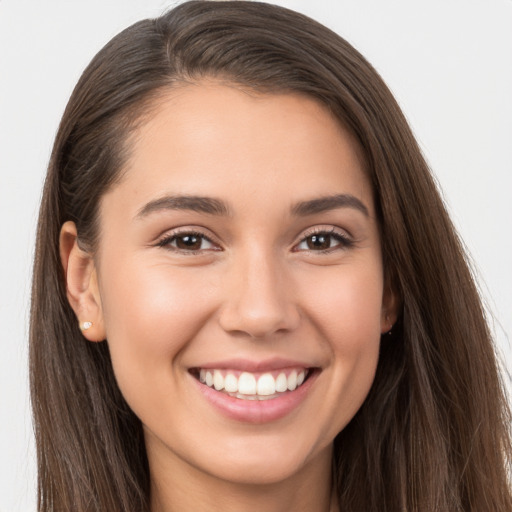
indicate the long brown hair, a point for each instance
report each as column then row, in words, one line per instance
column 433, row 434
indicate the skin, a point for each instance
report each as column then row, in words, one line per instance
column 255, row 289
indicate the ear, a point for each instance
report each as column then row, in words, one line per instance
column 390, row 307
column 81, row 283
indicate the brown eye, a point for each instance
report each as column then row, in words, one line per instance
column 318, row 242
column 189, row 242
column 324, row 241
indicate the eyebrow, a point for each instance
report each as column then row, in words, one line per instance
column 199, row 204
column 323, row 204
column 212, row 206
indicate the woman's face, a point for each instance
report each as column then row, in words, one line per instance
column 238, row 257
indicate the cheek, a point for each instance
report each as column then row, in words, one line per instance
column 150, row 317
column 354, row 328
column 346, row 309
column 345, row 303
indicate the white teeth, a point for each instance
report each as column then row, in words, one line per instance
column 281, row 383
column 250, row 387
column 266, row 385
column 292, row 380
column 247, row 384
column 231, row 383
column 218, row 380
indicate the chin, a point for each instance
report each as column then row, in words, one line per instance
column 261, row 462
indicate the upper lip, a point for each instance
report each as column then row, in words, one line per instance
column 246, row 365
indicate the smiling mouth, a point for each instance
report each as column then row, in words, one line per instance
column 253, row 386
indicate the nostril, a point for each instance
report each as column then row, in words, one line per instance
column 259, row 324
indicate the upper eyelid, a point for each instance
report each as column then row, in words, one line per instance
column 330, row 230
column 187, row 230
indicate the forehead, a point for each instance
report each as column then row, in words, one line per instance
column 224, row 141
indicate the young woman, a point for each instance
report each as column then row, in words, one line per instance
column 247, row 292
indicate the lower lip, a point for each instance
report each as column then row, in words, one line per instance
column 257, row 411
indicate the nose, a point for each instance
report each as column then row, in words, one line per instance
column 258, row 298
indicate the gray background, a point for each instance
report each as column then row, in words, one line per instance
column 449, row 63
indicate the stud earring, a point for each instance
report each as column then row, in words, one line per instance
column 85, row 325
column 388, row 333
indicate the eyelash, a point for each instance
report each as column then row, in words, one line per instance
column 344, row 242
column 168, row 240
